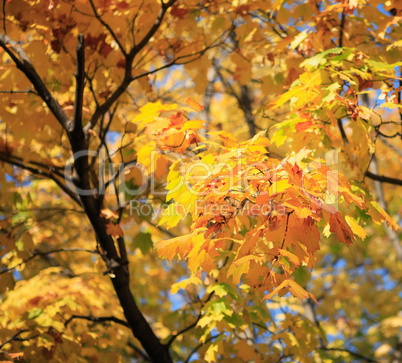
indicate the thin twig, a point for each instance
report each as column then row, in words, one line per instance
column 182, row 331
column 16, row 338
column 46, row 253
column 97, row 319
column 199, row 346
column 6, row 158
column 107, row 26
column 350, row 352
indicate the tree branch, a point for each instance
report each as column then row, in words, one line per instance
column 16, row 338
column 392, row 235
column 384, row 179
column 97, row 319
column 12, row 161
column 104, row 107
column 182, row 331
column 107, row 26
column 39, row 253
column 341, row 28
column 23, row 63
column 147, row 37
column 19, row 91
column 212, row 337
column 80, row 83
column 139, row 351
column 350, row 352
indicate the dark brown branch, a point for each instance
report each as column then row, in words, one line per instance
column 246, row 106
column 343, row 133
column 4, row 17
column 46, row 253
column 16, row 338
column 182, row 331
column 175, row 61
column 122, row 250
column 104, row 107
column 105, row 319
column 19, row 91
column 389, row 136
column 151, row 32
column 212, row 337
column 97, row 319
column 350, row 352
column 50, row 175
column 23, row 63
column 119, row 274
column 341, row 29
column 392, row 234
column 118, row 172
column 107, row 26
column 384, row 179
column 243, row 100
column 80, row 83
column 139, row 351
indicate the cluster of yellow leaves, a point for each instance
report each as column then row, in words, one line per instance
column 328, row 94
column 44, row 310
column 263, row 211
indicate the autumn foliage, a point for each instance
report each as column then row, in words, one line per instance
column 200, row 181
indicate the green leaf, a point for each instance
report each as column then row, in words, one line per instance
column 222, row 289
column 320, row 58
column 34, row 313
column 302, row 276
column 143, row 241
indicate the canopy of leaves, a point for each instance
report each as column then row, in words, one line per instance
column 200, row 180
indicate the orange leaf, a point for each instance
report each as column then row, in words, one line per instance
column 341, row 228
column 114, row 230
column 194, row 104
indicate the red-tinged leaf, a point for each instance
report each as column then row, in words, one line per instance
column 301, row 126
column 105, row 50
column 179, row 12
column 122, row 5
column 176, row 120
column 242, row 9
column 342, row 230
